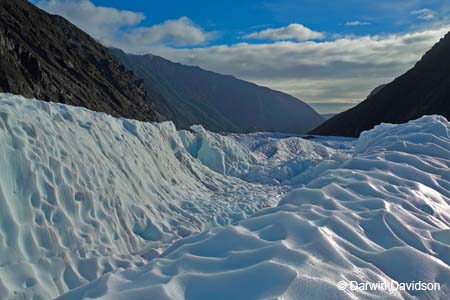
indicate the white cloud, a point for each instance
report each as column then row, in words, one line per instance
column 179, row 32
column 121, row 28
column 356, row 23
column 424, row 14
column 294, row 31
column 100, row 22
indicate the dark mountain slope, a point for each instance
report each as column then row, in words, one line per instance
column 46, row 57
column 190, row 95
column 423, row 90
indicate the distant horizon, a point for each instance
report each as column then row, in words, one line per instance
column 333, row 108
column 329, row 55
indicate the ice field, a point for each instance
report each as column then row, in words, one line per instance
column 82, row 193
column 95, row 207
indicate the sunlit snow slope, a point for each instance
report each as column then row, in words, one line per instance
column 82, row 193
column 381, row 215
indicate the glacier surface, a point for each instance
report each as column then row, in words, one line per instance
column 380, row 215
column 83, row 193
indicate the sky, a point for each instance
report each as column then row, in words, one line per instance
column 330, row 54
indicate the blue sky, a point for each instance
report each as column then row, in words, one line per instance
column 328, row 53
column 232, row 18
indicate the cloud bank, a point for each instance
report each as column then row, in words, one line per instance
column 341, row 70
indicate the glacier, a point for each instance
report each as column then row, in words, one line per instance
column 96, row 207
column 382, row 215
column 83, row 193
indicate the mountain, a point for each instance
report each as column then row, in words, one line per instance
column 190, row 95
column 46, row 57
column 423, row 90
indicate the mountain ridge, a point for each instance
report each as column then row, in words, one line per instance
column 47, row 57
column 422, row 90
column 190, row 95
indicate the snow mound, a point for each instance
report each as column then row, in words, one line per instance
column 83, row 193
column 381, row 215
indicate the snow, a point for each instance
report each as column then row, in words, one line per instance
column 95, row 207
column 377, row 214
column 83, row 193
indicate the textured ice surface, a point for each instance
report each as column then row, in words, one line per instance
column 382, row 214
column 82, row 193
column 266, row 158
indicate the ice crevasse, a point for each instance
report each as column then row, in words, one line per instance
column 381, row 215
